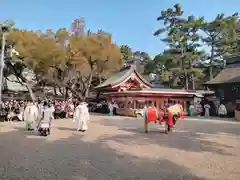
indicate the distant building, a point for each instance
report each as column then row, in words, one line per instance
column 77, row 27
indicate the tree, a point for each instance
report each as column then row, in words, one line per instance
column 215, row 38
column 140, row 59
column 126, row 53
column 160, row 66
column 87, row 58
column 67, row 61
column 14, row 66
column 230, row 37
column 4, row 28
column 36, row 53
column 183, row 41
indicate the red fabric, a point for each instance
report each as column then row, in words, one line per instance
column 170, row 120
column 161, row 116
column 170, row 116
column 182, row 116
column 58, row 106
column 152, row 114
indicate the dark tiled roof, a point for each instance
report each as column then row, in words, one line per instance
column 115, row 79
column 121, row 76
column 231, row 74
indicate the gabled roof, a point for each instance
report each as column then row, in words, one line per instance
column 121, row 76
column 231, row 74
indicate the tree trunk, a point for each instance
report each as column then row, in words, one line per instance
column 193, row 82
column 186, row 81
column 2, row 64
column 30, row 91
column 100, row 78
column 60, row 90
column 75, row 93
column 210, row 72
column 88, row 85
column 66, row 94
column 55, row 91
column 211, row 61
column 98, row 95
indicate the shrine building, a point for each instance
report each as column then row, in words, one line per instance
column 131, row 91
column 227, row 85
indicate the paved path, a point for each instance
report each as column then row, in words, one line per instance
column 117, row 148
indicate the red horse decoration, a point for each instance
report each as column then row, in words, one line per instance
column 173, row 113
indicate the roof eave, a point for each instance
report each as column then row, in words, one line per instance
column 143, row 79
column 102, row 87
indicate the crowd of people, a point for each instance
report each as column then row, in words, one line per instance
column 207, row 109
column 36, row 113
column 13, row 110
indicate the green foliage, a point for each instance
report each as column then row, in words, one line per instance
column 183, row 40
column 220, row 35
column 230, row 37
column 126, row 52
column 185, row 37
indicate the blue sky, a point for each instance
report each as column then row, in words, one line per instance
column 130, row 22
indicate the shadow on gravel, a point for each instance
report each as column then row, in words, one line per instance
column 73, row 159
column 211, row 127
column 25, row 132
column 201, row 126
column 189, row 135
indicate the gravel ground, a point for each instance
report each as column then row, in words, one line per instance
column 116, row 148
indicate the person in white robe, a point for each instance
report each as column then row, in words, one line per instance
column 30, row 116
column 21, row 109
column 222, row 110
column 47, row 115
column 110, row 107
column 81, row 116
column 11, row 114
column 207, row 110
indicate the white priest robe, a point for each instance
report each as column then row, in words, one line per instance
column 81, row 116
column 31, row 116
column 222, row 110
